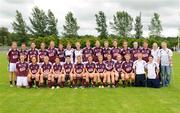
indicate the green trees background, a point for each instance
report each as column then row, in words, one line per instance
column 43, row 27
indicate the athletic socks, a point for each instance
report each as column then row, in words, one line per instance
column 49, row 83
column 87, row 84
column 82, row 82
column 10, row 82
column 15, row 82
column 75, row 82
column 30, row 84
column 37, row 83
column 62, row 84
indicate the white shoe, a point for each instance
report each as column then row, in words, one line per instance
column 11, row 85
column 108, row 86
column 75, row 88
column 57, row 87
column 52, row 87
column 113, row 86
column 102, row 86
column 34, row 86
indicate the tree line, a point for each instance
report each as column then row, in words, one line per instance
column 44, row 24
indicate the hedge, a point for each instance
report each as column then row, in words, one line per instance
column 170, row 41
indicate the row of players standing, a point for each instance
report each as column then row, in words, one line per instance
column 161, row 56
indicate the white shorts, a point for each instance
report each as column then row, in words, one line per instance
column 22, row 81
column 12, row 67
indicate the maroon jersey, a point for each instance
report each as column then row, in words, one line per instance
column 68, row 67
column 105, row 52
column 100, row 67
column 97, row 52
column 57, row 67
column 42, row 54
column 22, row 68
column 25, row 53
column 61, row 55
column 32, row 53
column 34, row 68
column 146, row 53
column 46, row 67
column 78, row 67
column 115, row 52
column 118, row 66
column 109, row 65
column 86, row 52
column 134, row 53
column 52, row 53
column 90, row 67
column 127, row 66
column 13, row 55
column 125, row 51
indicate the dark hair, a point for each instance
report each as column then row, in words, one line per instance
column 151, row 56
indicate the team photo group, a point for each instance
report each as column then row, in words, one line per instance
column 93, row 66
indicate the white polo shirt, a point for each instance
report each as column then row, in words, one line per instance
column 69, row 53
column 77, row 53
column 165, row 56
column 151, row 70
column 155, row 53
column 139, row 66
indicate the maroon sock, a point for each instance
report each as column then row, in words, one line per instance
column 83, row 82
column 37, row 83
column 62, row 83
column 71, row 83
column 104, row 84
column 49, row 83
column 30, row 84
column 94, row 83
column 99, row 83
column 87, row 84
column 75, row 82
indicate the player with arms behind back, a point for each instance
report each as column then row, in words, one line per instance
column 13, row 57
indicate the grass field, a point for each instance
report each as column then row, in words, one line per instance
column 66, row 100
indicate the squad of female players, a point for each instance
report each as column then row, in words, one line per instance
column 88, row 67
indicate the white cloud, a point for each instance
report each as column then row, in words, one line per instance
column 84, row 11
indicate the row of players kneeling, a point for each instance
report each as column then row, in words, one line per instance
column 101, row 74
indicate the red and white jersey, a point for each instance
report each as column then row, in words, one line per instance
column 22, row 68
column 52, row 54
column 105, row 52
column 13, row 55
column 25, row 53
column 86, row 53
column 32, row 53
column 46, row 68
column 42, row 54
column 97, row 52
column 34, row 68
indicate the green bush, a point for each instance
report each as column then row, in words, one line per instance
column 171, row 41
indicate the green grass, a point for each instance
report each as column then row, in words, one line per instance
column 119, row 100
